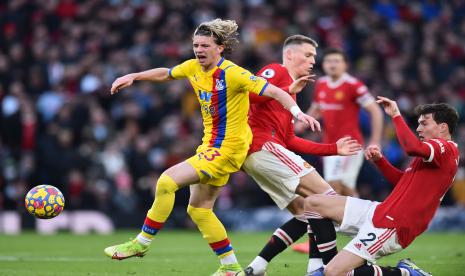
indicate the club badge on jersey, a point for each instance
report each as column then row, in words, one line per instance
column 220, row 85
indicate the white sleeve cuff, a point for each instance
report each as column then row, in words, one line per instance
column 431, row 157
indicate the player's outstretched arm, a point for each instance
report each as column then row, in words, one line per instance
column 156, row 75
column 391, row 173
column 407, row 139
column 344, row 146
column 286, row 100
column 294, row 88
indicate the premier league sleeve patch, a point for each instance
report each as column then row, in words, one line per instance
column 268, row 73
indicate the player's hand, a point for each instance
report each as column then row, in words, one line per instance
column 374, row 143
column 121, row 83
column 347, row 146
column 390, row 106
column 299, row 84
column 373, row 152
column 299, row 127
column 309, row 121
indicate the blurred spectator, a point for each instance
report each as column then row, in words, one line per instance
column 58, row 124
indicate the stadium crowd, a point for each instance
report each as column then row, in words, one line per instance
column 60, row 126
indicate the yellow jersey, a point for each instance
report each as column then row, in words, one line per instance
column 224, row 101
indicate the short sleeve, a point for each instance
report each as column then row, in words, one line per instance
column 362, row 95
column 270, row 73
column 182, row 70
column 246, row 81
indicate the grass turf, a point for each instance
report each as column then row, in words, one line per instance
column 186, row 253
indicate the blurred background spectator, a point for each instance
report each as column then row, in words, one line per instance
column 60, row 126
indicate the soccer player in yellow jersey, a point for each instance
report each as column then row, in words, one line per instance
column 222, row 90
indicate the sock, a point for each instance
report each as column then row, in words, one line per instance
column 324, row 233
column 160, row 210
column 149, row 230
column 370, row 270
column 314, row 261
column 214, row 232
column 284, row 236
column 259, row 265
column 325, row 236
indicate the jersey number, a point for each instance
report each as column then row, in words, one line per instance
column 208, row 109
column 209, row 154
column 371, row 236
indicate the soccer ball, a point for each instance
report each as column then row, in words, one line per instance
column 44, row 202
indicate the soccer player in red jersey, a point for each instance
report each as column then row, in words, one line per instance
column 276, row 168
column 337, row 99
column 383, row 228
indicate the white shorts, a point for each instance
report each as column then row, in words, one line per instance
column 277, row 171
column 343, row 168
column 370, row 243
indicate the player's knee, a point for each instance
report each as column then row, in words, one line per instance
column 314, row 202
column 296, row 207
column 333, row 270
column 166, row 185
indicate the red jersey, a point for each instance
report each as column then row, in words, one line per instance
column 340, row 103
column 419, row 189
column 271, row 122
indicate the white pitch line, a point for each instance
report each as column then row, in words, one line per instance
column 75, row 259
column 48, row 259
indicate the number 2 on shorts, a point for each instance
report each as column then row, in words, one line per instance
column 371, row 236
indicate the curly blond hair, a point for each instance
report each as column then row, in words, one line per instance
column 224, row 33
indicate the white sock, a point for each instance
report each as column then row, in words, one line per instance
column 314, row 264
column 143, row 239
column 229, row 259
column 404, row 272
column 259, row 265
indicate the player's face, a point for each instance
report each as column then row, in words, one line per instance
column 302, row 59
column 334, row 65
column 207, row 52
column 427, row 127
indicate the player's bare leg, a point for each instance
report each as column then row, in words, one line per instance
column 200, row 209
column 311, row 184
column 343, row 263
column 328, row 206
column 342, row 189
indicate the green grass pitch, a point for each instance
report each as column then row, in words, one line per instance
column 186, row 253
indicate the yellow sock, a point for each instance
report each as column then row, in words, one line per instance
column 161, row 209
column 164, row 199
column 214, row 232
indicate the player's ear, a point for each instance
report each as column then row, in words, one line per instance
column 220, row 49
column 288, row 53
column 443, row 128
